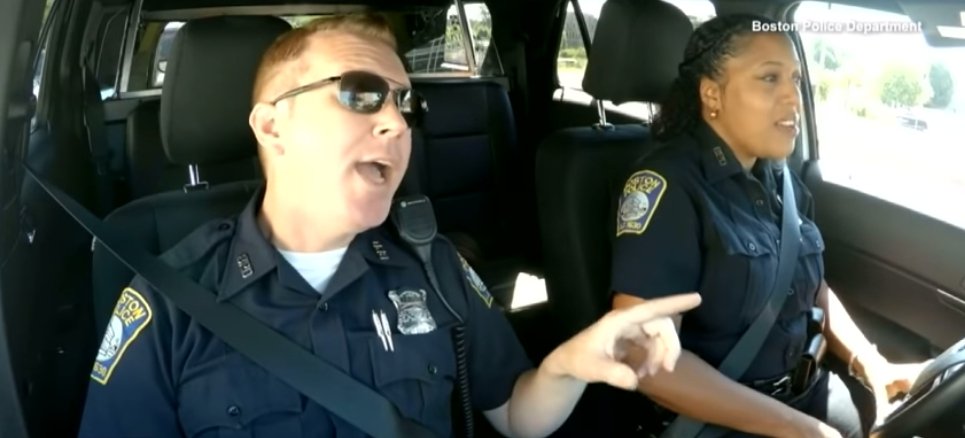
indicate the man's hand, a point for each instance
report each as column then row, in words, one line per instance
column 596, row 353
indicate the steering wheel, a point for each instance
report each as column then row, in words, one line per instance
column 939, row 388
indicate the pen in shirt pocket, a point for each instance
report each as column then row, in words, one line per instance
column 378, row 329
column 387, row 329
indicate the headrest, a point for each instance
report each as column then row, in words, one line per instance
column 206, row 97
column 636, row 50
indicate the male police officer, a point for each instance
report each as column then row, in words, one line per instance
column 311, row 257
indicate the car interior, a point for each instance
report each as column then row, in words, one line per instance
column 138, row 110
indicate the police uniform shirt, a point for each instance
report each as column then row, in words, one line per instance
column 691, row 219
column 159, row 373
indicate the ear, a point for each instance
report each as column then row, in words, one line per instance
column 710, row 94
column 264, row 124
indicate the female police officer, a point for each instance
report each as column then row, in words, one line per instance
column 703, row 212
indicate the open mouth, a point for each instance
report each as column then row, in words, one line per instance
column 789, row 126
column 375, row 172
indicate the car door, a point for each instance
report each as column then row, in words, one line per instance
column 19, row 33
column 890, row 194
column 44, row 255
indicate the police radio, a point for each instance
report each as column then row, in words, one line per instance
column 415, row 222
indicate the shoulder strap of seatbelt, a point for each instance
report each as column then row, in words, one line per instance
column 327, row 385
column 100, row 151
column 740, row 357
column 415, row 221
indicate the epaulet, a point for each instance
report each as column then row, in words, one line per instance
column 199, row 243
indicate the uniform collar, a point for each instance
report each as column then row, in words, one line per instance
column 251, row 256
column 369, row 249
column 768, row 172
column 717, row 160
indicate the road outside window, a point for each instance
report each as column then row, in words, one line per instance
column 890, row 108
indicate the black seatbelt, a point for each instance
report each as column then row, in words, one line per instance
column 415, row 220
column 739, row 358
column 100, row 151
column 330, row 387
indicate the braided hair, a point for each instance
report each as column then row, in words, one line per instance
column 709, row 47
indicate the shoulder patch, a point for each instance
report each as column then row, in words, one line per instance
column 131, row 315
column 640, row 198
column 476, row 283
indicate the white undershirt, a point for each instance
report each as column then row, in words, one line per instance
column 317, row 268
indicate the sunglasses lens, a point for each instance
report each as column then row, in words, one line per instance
column 362, row 92
column 365, row 93
column 413, row 106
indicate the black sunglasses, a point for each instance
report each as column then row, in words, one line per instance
column 365, row 93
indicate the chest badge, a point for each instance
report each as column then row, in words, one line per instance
column 414, row 316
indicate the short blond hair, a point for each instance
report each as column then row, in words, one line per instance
column 290, row 46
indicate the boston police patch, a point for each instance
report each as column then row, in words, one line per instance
column 476, row 283
column 639, row 200
column 131, row 315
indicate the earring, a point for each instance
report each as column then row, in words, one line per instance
column 713, row 114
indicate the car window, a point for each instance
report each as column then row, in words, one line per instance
column 42, row 56
column 110, row 46
column 437, row 42
column 571, row 57
column 153, row 48
column 163, row 51
column 889, row 108
column 433, row 44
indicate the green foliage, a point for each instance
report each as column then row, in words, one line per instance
column 571, row 31
column 823, row 87
column 901, row 86
column 824, row 55
column 482, row 29
column 573, row 52
column 942, row 86
column 300, row 20
column 47, row 9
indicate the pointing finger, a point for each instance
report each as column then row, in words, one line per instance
column 656, row 308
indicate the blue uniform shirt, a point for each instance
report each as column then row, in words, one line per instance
column 159, row 373
column 691, row 219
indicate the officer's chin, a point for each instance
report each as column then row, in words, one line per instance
column 781, row 151
column 372, row 215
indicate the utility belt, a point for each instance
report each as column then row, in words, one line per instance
column 797, row 381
